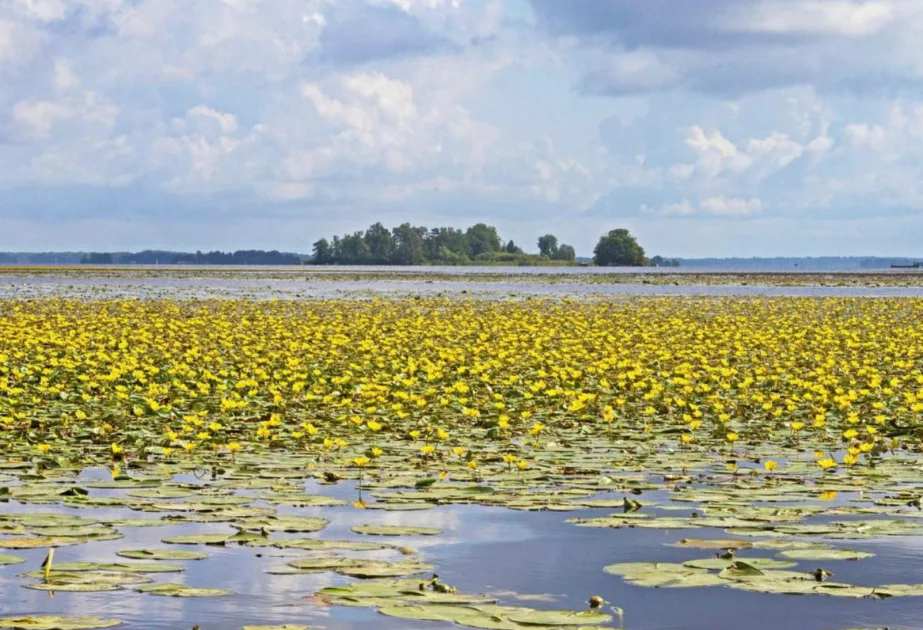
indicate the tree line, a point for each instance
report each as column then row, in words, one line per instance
column 418, row 245
column 403, row 245
column 159, row 257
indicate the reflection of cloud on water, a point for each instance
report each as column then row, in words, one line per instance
column 258, row 597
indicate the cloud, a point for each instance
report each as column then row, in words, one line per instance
column 378, row 33
column 293, row 118
column 731, row 207
column 731, row 47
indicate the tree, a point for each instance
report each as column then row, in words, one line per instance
column 513, row 248
column 409, row 245
column 548, row 245
column 447, row 244
column 660, row 261
column 323, row 254
column 619, row 248
column 483, row 239
column 380, row 243
column 353, row 250
column 565, row 252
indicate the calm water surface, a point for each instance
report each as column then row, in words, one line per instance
column 481, row 550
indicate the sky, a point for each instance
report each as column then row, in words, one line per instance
column 706, row 127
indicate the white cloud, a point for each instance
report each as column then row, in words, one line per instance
column 834, row 17
column 42, row 10
column 716, row 153
column 731, row 206
column 39, row 117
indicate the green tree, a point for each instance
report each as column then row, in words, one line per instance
column 441, row 240
column 619, row 248
column 512, row 248
column 380, row 244
column 323, row 253
column 548, row 245
column 409, row 246
column 565, row 252
column 483, row 239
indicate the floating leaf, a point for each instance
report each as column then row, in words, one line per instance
column 161, row 554
column 395, row 530
column 181, row 590
column 56, row 622
column 825, row 554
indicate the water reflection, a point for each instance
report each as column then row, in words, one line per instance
column 481, row 550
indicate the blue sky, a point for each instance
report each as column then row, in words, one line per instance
column 707, row 127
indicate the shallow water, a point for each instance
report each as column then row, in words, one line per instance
column 481, row 550
column 171, row 287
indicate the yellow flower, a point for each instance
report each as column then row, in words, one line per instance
column 770, row 465
column 374, row 426
column 376, row 452
column 522, row 464
column 472, row 464
column 361, row 461
column 427, row 450
column 116, row 449
column 166, row 452
column 43, row 448
column 234, row 447
column 827, row 463
column 732, row 437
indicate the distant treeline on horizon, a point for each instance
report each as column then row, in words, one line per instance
column 154, row 257
column 261, row 257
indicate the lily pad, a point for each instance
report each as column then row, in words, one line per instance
column 717, row 564
column 56, row 622
column 218, row 540
column 395, row 530
column 5, row 560
column 825, row 554
column 560, row 618
column 715, row 543
column 181, row 590
column 161, row 554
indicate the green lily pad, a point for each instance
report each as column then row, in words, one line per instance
column 161, row 554
column 5, row 560
column 83, row 580
column 716, row 543
column 181, row 590
column 825, row 554
column 160, row 493
column 218, row 540
column 718, row 564
column 38, row 542
column 663, row 575
column 118, row 567
column 395, row 530
column 287, row 626
column 559, row 618
column 288, row 524
column 56, row 622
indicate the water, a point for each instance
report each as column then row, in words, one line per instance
column 481, row 550
column 486, row 282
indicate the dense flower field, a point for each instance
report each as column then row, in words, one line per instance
column 459, row 386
